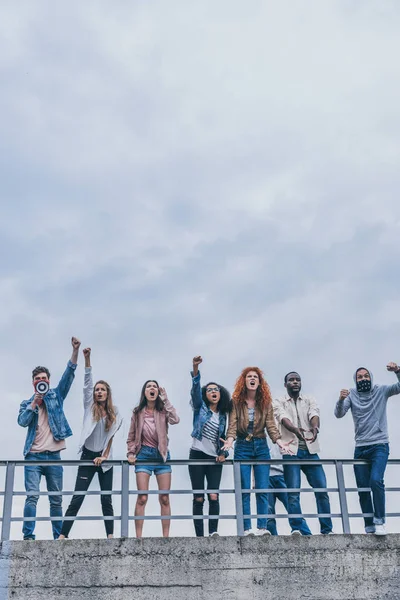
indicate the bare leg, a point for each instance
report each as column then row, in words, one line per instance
column 142, row 483
column 164, row 483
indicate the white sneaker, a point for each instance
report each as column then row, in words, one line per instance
column 263, row 532
column 248, row 532
column 214, row 534
column 380, row 530
column 295, row 532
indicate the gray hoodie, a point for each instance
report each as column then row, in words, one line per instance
column 369, row 411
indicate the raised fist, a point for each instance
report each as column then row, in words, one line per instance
column 197, row 360
column 343, row 394
column 163, row 394
column 75, row 343
column 86, row 352
column 392, row 366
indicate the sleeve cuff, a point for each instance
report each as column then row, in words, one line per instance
column 72, row 365
column 87, row 370
column 195, row 377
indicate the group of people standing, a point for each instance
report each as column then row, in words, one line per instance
column 256, row 426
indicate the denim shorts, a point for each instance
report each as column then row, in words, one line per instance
column 148, row 453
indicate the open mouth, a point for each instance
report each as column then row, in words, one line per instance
column 252, row 383
column 152, row 394
column 214, row 396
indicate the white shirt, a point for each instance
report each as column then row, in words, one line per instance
column 209, row 439
column 88, row 422
column 300, row 412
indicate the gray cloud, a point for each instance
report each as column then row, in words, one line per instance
column 182, row 178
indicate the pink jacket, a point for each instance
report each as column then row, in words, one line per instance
column 162, row 419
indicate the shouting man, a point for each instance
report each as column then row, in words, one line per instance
column 368, row 407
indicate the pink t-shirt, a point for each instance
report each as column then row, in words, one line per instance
column 149, row 433
column 44, row 440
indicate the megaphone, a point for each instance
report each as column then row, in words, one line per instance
column 42, row 387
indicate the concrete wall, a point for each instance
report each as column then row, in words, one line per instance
column 282, row 568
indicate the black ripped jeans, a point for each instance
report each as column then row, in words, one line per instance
column 212, row 473
column 83, row 480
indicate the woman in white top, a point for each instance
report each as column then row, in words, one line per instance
column 101, row 421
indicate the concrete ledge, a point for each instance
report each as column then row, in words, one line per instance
column 315, row 567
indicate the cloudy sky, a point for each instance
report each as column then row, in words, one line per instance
column 215, row 178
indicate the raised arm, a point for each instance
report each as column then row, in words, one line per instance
column 172, row 415
column 195, row 394
column 343, row 404
column 394, row 389
column 75, row 350
column 69, row 373
column 88, row 379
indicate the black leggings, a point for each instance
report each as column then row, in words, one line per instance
column 83, row 480
column 212, row 473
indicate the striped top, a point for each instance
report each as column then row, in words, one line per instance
column 209, row 442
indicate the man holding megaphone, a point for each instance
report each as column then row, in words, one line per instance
column 43, row 415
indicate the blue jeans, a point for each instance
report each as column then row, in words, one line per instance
column 277, row 482
column 148, row 453
column 316, row 478
column 371, row 475
column 256, row 449
column 33, row 475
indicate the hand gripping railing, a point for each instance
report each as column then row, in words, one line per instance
column 124, row 492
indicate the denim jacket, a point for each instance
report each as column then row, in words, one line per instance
column 202, row 414
column 54, row 400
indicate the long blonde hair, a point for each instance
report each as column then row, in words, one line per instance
column 97, row 412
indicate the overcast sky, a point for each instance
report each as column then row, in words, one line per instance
column 215, row 178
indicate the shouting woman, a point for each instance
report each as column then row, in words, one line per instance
column 148, row 441
column 101, row 421
column 211, row 405
column 252, row 414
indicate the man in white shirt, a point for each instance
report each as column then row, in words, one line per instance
column 297, row 416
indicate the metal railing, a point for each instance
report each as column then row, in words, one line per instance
column 9, row 493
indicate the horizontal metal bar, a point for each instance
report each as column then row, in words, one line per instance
column 84, row 518
column 368, row 489
column 200, row 517
column 87, row 493
column 191, row 492
column 196, row 491
column 186, row 462
column 290, row 490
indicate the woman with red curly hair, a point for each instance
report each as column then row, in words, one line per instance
column 251, row 415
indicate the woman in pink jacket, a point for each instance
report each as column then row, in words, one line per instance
column 148, row 440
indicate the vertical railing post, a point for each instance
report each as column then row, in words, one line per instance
column 125, row 500
column 342, row 496
column 8, row 499
column 237, row 483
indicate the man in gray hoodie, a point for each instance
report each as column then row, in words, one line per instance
column 368, row 407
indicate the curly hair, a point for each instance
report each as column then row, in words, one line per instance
column 224, row 404
column 263, row 393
